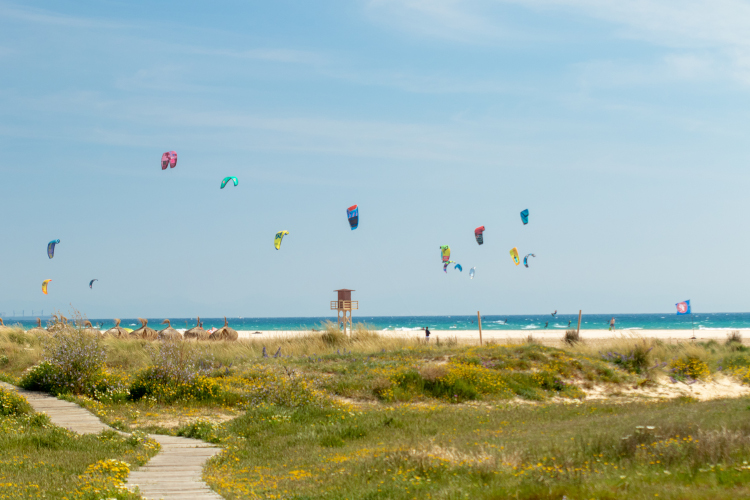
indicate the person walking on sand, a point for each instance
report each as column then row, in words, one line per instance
column 426, row 334
column 612, row 324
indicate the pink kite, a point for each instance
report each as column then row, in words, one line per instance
column 169, row 159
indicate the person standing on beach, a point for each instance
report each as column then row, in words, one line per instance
column 426, row 334
column 612, row 324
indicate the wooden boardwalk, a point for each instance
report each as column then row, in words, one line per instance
column 173, row 474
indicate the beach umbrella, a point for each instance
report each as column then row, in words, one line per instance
column 224, row 333
column 38, row 328
column 144, row 332
column 117, row 331
column 197, row 332
column 89, row 328
column 169, row 333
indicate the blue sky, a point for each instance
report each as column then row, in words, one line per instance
column 621, row 125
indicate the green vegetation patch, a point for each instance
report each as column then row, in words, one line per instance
column 41, row 460
column 677, row 450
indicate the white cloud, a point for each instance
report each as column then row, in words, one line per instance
column 682, row 23
column 711, row 38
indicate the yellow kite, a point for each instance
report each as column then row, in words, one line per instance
column 44, row 286
column 514, row 254
column 277, row 240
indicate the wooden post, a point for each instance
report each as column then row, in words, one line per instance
column 579, row 322
column 479, row 322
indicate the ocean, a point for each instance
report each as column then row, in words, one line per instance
column 704, row 321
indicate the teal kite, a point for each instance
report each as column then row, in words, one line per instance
column 227, row 179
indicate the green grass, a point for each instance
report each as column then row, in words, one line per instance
column 370, row 417
column 38, row 459
column 694, row 451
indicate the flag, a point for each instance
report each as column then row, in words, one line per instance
column 683, row 307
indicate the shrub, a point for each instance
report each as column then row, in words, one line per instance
column 202, row 429
column 73, row 363
column 179, row 372
column 689, row 366
column 635, row 361
column 734, row 341
column 572, row 337
column 12, row 404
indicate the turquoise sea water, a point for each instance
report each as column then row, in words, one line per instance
column 702, row 321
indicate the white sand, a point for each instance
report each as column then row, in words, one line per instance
column 541, row 335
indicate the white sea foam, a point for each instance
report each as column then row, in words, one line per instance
column 406, row 329
column 530, row 327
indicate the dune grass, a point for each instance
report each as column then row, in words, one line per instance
column 328, row 416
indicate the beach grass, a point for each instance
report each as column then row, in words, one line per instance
column 367, row 416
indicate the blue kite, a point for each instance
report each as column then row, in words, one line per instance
column 525, row 216
column 51, row 248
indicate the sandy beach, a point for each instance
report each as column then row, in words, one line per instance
column 544, row 336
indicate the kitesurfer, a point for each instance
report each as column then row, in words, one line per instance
column 545, row 325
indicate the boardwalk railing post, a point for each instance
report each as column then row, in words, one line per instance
column 579, row 321
column 479, row 322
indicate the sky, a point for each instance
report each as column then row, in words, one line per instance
column 621, row 125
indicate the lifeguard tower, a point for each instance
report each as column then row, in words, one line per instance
column 344, row 307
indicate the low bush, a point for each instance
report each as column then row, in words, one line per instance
column 152, row 383
column 12, row 404
column 73, row 364
column 179, row 372
column 202, row 429
column 689, row 366
column 637, row 360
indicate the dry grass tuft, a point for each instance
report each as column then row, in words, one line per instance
column 734, row 337
column 572, row 337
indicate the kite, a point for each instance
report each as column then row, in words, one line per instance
column 352, row 213
column 445, row 266
column 445, row 250
column 526, row 259
column 525, row 216
column 44, row 286
column 91, row 283
column 168, row 159
column 277, row 240
column 227, row 179
column 478, row 234
column 458, row 266
column 51, row 248
column 514, row 254
column 471, row 272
